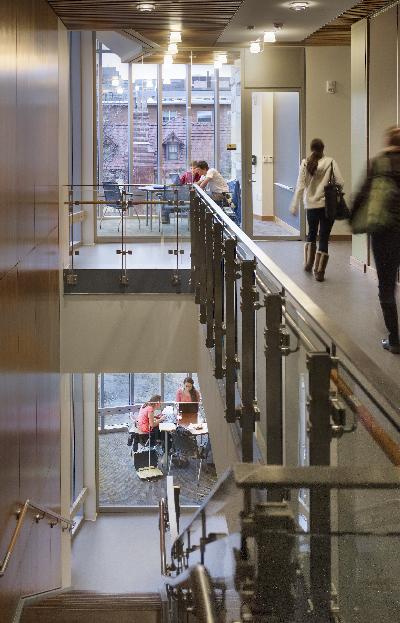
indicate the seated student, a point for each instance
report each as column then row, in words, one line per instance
column 192, row 176
column 188, row 399
column 214, row 183
column 147, row 421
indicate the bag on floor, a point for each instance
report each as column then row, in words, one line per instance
column 380, row 210
column 335, row 204
column 130, row 439
column 141, row 458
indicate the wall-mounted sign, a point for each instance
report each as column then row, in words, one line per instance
column 231, row 147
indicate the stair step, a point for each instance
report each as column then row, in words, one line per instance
column 91, row 607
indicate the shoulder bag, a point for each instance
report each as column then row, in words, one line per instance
column 335, row 204
column 380, row 209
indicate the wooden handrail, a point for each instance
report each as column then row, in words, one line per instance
column 41, row 513
column 378, row 434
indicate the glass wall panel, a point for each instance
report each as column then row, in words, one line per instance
column 113, row 389
column 229, row 122
column 145, row 123
column 114, row 99
column 174, row 122
column 203, row 113
column 145, row 386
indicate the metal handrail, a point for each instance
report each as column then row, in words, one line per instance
column 41, row 513
column 372, row 377
column 198, row 580
column 163, row 551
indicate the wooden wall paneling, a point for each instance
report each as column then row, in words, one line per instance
column 9, row 436
column 382, row 77
column 46, row 128
column 8, row 221
column 27, row 155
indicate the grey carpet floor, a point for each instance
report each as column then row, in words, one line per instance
column 119, row 484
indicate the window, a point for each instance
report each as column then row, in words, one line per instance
column 168, row 115
column 204, row 116
column 172, row 151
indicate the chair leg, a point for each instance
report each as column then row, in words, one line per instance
column 170, row 464
column 198, row 475
column 138, row 217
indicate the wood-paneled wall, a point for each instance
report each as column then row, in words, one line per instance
column 29, row 293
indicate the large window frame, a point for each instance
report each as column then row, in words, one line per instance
column 162, row 153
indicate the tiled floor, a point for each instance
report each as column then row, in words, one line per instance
column 270, row 228
column 347, row 295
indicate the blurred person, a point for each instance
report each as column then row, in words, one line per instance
column 386, row 242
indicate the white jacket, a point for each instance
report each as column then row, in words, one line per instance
column 310, row 188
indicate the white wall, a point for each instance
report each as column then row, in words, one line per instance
column 263, row 144
column 328, row 116
column 129, row 333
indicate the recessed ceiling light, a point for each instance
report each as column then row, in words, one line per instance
column 299, row 6
column 146, row 7
column 255, row 47
column 175, row 36
column 269, row 37
column 172, row 48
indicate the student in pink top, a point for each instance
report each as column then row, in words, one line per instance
column 188, row 398
column 147, row 421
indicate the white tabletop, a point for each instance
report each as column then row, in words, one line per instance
column 166, row 426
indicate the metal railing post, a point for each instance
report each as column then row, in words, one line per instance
column 273, row 381
column 218, row 300
column 320, row 435
column 209, row 246
column 202, row 256
column 249, row 296
column 231, row 361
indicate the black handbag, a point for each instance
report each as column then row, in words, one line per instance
column 335, row 204
column 145, row 458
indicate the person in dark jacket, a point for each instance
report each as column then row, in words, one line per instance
column 386, row 243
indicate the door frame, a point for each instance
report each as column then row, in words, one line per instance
column 247, row 216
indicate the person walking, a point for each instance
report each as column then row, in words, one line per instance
column 386, row 241
column 314, row 175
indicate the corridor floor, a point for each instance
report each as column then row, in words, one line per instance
column 347, row 295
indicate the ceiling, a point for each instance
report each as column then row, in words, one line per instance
column 216, row 25
column 297, row 25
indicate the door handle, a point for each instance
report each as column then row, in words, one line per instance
column 252, row 181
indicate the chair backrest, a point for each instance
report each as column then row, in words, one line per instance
column 112, row 193
column 184, row 441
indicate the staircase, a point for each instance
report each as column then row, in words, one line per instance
column 89, row 607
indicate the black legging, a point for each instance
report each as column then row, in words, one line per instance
column 386, row 249
column 316, row 219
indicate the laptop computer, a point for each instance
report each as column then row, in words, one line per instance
column 188, row 407
column 175, row 179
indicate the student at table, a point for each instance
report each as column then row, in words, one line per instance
column 147, row 421
column 213, row 182
column 192, row 176
column 188, row 399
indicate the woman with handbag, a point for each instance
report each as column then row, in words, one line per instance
column 316, row 173
column 376, row 210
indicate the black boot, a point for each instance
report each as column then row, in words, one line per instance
column 389, row 310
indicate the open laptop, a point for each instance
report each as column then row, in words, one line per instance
column 188, row 407
column 175, row 179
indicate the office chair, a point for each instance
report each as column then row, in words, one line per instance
column 184, row 443
column 113, row 196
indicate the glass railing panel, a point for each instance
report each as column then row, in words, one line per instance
column 127, row 227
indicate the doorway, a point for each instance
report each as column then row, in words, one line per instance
column 274, row 164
